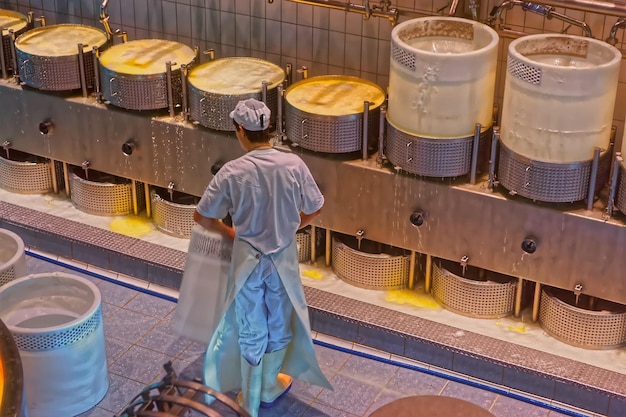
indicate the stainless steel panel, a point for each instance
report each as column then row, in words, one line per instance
column 573, row 245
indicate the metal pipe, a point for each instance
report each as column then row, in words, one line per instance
column 613, row 186
column 328, row 247
column 289, row 74
column 593, row 177
column 518, row 296
column 183, row 77
column 428, row 277
column 264, row 85
column 620, row 24
column 365, row 143
column 536, row 299
column 53, row 176
column 475, row 153
column 593, row 6
column 492, row 157
column 542, row 8
column 313, row 244
column 368, row 11
column 3, row 63
column 16, row 73
column 279, row 114
column 146, row 192
column 170, row 92
column 412, row 270
column 133, row 196
column 81, row 69
column 66, row 179
column 381, row 137
column 96, row 73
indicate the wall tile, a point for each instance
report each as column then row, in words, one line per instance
column 305, row 14
column 273, row 39
column 288, row 32
column 289, row 12
column 305, row 42
column 320, row 45
column 257, row 34
column 243, row 6
column 198, row 23
column 242, row 31
column 183, row 20
column 353, row 52
column 336, row 51
column 227, row 25
column 141, row 14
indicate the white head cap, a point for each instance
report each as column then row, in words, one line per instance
column 252, row 115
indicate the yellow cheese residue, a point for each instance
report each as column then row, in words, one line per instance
column 146, row 56
column 235, row 76
column 60, row 40
column 334, row 96
column 131, row 226
column 517, row 328
column 412, row 298
column 310, row 273
column 11, row 22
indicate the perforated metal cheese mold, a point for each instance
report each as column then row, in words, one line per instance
column 101, row 198
column 26, row 177
column 171, row 217
column 470, row 297
column 376, row 271
column 601, row 328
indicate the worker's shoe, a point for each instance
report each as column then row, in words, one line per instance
column 275, row 384
column 251, row 379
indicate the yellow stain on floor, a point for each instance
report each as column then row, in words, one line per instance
column 131, row 226
column 412, row 298
column 310, row 273
column 517, row 328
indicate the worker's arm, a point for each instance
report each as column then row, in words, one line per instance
column 305, row 219
column 214, row 225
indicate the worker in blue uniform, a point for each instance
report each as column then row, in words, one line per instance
column 264, row 337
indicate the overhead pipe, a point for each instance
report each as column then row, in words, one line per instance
column 382, row 9
column 542, row 8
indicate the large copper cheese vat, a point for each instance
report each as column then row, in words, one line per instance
column 134, row 74
column 49, row 57
column 18, row 23
column 325, row 113
column 216, row 87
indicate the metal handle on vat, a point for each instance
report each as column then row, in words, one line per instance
column 111, row 88
column 304, row 135
column 27, row 70
column 202, row 108
column 409, row 157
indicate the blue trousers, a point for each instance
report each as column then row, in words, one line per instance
column 263, row 313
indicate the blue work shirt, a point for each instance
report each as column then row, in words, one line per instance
column 264, row 191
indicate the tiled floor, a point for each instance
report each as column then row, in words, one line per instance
column 140, row 339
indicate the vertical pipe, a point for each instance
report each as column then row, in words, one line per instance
column 53, row 173
column 3, row 63
column 381, row 136
column 96, row 73
column 536, row 300
column 592, row 178
column 16, row 72
column 170, row 92
column 475, row 153
column 183, row 78
column 366, row 111
column 613, row 186
column 313, row 246
column 328, row 247
column 146, row 192
column 412, row 270
column 492, row 156
column 279, row 113
column 66, row 178
column 264, row 85
column 428, row 278
column 81, row 69
column 133, row 195
column 289, row 74
column 518, row 296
